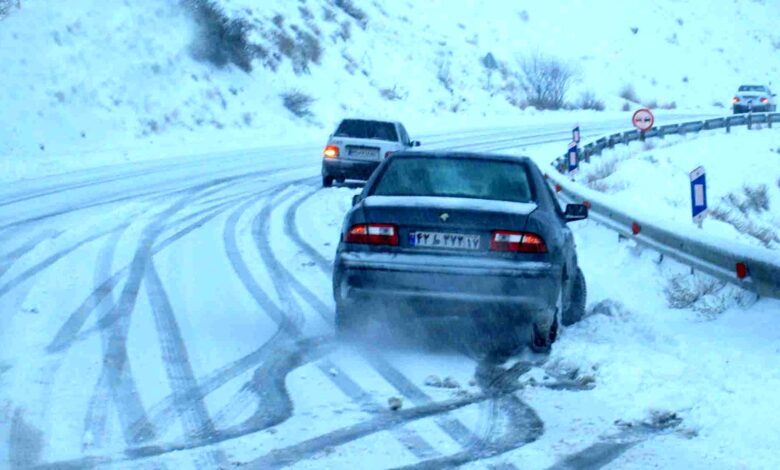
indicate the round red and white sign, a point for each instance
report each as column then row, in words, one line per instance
column 643, row 119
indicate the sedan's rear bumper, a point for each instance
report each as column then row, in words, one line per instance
column 340, row 168
column 763, row 108
column 446, row 285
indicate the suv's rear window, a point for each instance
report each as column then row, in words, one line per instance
column 455, row 177
column 360, row 129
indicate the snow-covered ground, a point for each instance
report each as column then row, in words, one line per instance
column 165, row 247
column 92, row 85
column 181, row 316
column 651, row 180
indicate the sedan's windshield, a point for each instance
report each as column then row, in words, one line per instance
column 752, row 88
column 360, row 129
column 455, row 177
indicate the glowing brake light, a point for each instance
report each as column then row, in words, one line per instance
column 735, row 100
column 373, row 234
column 331, row 151
column 765, row 100
column 522, row 242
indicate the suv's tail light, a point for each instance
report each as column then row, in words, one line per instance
column 735, row 100
column 765, row 100
column 387, row 154
column 523, row 242
column 331, row 151
column 373, row 234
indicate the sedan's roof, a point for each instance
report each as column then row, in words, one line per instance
column 453, row 154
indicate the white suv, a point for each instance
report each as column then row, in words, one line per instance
column 358, row 146
column 754, row 98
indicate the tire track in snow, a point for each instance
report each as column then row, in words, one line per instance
column 53, row 258
column 97, row 411
column 384, row 421
column 604, row 452
column 69, row 332
column 12, row 256
column 25, row 442
column 191, row 409
column 524, row 424
column 116, row 380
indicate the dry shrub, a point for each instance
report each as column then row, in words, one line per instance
column 588, row 100
column 221, row 40
column 350, row 9
column 546, row 80
column 628, row 93
column 298, row 103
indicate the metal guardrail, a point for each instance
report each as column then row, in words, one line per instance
column 752, row 268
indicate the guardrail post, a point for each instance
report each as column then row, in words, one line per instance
column 750, row 121
column 728, row 126
column 660, row 132
column 769, row 120
column 641, row 136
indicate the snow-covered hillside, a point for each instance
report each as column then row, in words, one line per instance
column 94, row 84
column 651, row 180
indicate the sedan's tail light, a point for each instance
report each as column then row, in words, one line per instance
column 735, row 100
column 765, row 100
column 373, row 234
column 331, row 151
column 523, row 242
column 387, row 154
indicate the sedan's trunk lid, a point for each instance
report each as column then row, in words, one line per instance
column 462, row 225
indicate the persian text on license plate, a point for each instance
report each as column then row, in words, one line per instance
column 363, row 153
column 444, row 240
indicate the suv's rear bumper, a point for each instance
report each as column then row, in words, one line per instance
column 339, row 168
column 446, row 285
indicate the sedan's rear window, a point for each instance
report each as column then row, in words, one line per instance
column 455, row 177
column 360, row 129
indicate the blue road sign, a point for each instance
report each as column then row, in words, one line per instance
column 573, row 156
column 575, row 134
column 698, row 194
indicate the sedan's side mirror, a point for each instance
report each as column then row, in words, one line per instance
column 415, row 143
column 575, row 212
column 355, row 200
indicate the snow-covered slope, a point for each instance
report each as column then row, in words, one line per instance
column 93, row 83
column 651, row 180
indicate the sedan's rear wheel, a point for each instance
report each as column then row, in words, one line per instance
column 327, row 181
column 576, row 308
column 543, row 335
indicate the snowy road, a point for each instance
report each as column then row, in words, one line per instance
column 179, row 314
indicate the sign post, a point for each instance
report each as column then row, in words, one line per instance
column 698, row 195
column 643, row 120
column 573, row 157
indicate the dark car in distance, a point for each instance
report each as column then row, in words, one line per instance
column 446, row 234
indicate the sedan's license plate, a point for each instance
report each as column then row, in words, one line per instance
column 363, row 153
column 444, row 240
